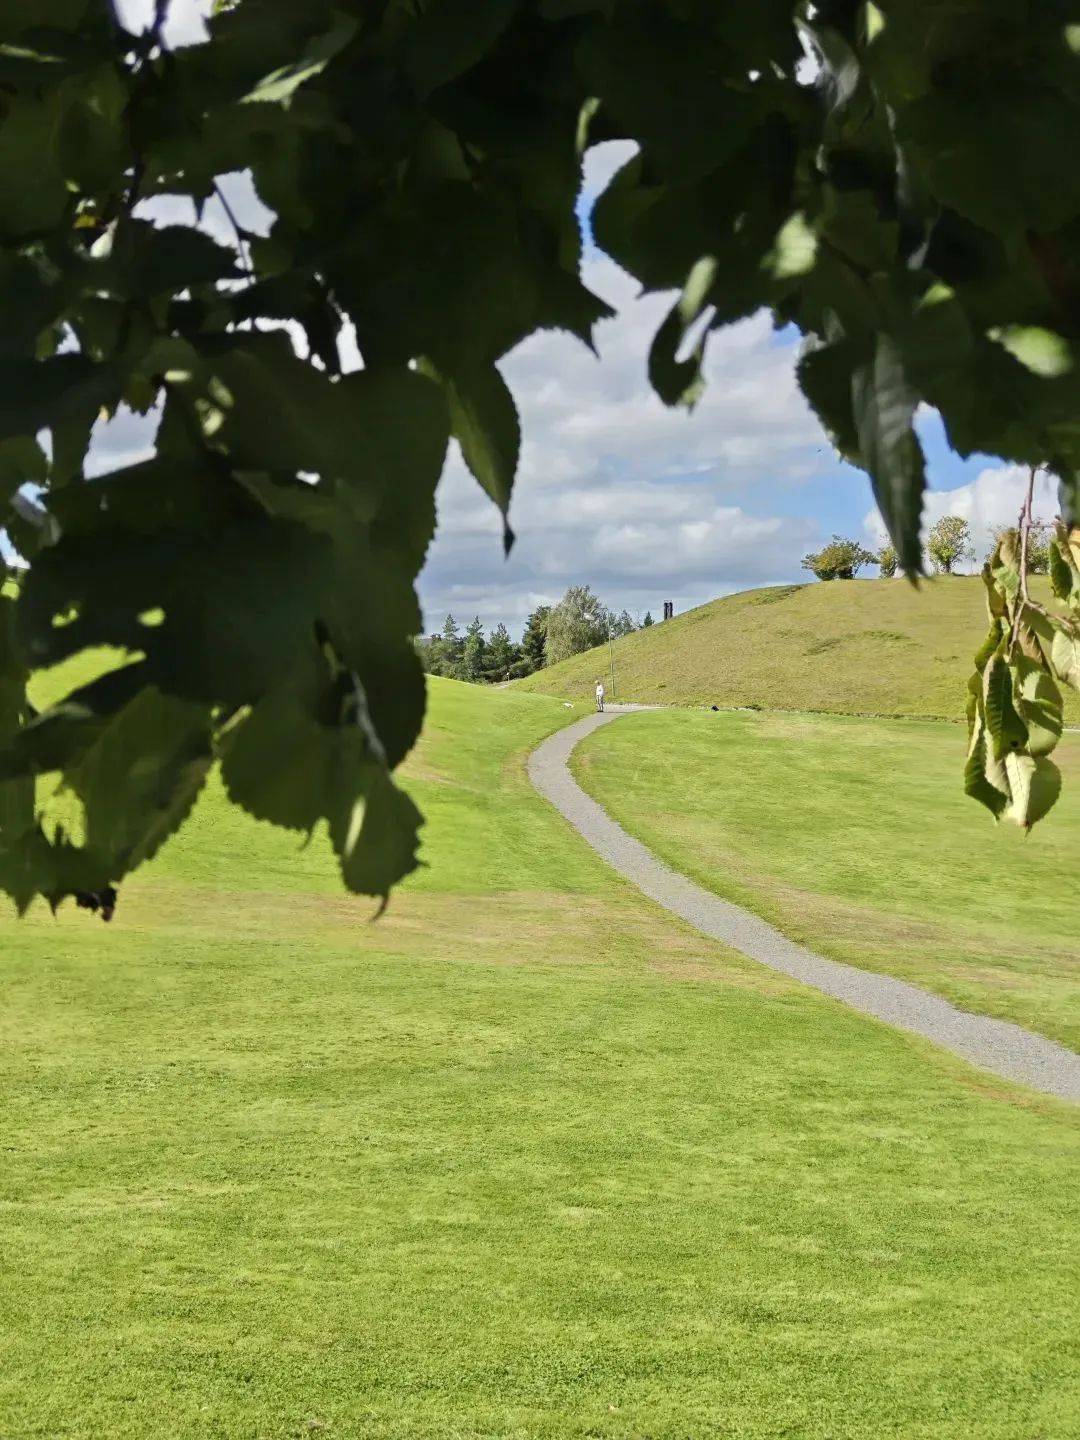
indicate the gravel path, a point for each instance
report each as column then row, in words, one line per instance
column 1008, row 1050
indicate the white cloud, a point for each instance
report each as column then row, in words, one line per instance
column 988, row 502
column 616, row 490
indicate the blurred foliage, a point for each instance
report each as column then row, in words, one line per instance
column 907, row 198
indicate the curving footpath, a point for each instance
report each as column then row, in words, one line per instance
column 1008, row 1050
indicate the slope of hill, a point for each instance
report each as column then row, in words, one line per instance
column 875, row 647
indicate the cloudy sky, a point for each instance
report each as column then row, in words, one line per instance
column 643, row 503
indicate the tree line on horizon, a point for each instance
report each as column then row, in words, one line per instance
column 580, row 621
column 948, row 545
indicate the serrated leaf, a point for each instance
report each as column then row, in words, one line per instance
column 976, row 783
column 679, row 381
column 825, row 375
column 375, row 828
column 382, row 430
column 1006, row 729
column 1065, row 653
column 1061, row 573
column 1039, row 704
column 140, row 777
column 1035, row 785
column 884, row 407
column 277, row 763
column 484, row 421
column 279, row 87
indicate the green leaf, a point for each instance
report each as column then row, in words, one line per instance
column 1065, row 653
column 825, row 377
column 884, row 407
column 22, row 462
column 484, row 421
column 278, row 762
column 451, row 36
column 378, row 430
column 976, row 782
column 1062, row 576
column 1035, row 785
column 1004, row 724
column 1039, row 705
column 680, row 381
column 35, row 395
column 33, row 194
column 279, row 87
column 374, row 829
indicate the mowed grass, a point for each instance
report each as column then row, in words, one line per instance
column 873, row 647
column 525, row 1158
column 854, row 837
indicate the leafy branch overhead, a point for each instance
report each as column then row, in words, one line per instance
column 907, row 199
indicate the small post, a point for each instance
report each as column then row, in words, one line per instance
column 611, row 663
column 669, row 610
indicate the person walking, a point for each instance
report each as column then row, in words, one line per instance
column 600, row 696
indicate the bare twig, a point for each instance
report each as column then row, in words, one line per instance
column 230, row 214
column 1025, row 531
column 1024, row 527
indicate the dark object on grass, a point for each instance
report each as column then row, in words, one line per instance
column 103, row 900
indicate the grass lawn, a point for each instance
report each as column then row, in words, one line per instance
column 854, row 837
column 524, row 1159
column 873, row 647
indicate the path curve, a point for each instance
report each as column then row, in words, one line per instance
column 1006, row 1049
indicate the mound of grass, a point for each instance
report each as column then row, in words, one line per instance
column 853, row 836
column 862, row 647
column 524, row 1159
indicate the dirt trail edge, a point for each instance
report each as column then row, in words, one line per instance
column 996, row 1045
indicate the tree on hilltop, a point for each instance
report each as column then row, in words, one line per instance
column 840, row 559
column 949, row 543
column 887, row 561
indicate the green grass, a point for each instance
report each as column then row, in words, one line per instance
column 873, row 647
column 524, row 1159
column 854, row 837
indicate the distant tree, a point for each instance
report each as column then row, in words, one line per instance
column 887, row 561
column 578, row 622
column 473, row 652
column 425, row 649
column 533, row 640
column 623, row 624
column 948, row 543
column 648, row 620
column 451, row 646
column 840, row 559
column 502, row 654
column 1039, row 538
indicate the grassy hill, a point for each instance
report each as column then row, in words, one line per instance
column 853, row 836
column 874, row 647
column 527, row 1158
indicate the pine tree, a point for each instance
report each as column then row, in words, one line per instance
column 532, row 641
column 452, row 645
column 501, row 654
column 648, row 620
column 473, row 651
